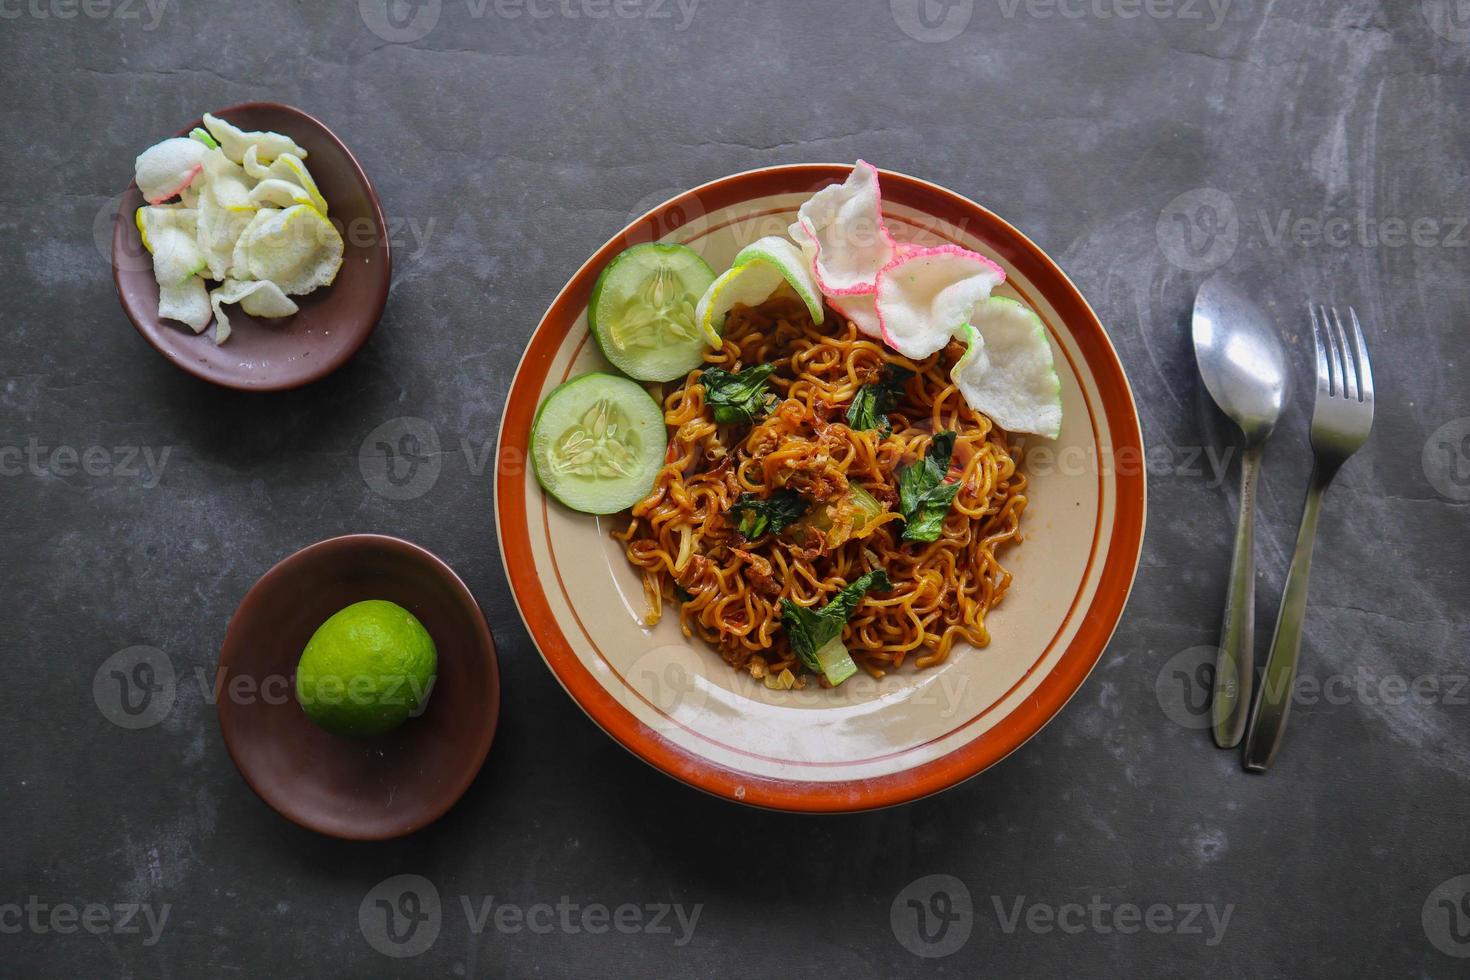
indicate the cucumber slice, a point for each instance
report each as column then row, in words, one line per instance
column 642, row 311
column 597, row 443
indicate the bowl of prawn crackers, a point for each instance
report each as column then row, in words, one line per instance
column 251, row 249
column 820, row 487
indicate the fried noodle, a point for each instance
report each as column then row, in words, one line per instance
column 728, row 589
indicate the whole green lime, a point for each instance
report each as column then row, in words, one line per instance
column 366, row 669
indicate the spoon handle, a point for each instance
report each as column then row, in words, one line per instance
column 1235, row 662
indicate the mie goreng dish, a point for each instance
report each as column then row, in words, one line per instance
column 797, row 432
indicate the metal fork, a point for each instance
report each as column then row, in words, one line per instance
column 1341, row 420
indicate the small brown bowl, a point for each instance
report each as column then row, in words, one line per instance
column 333, row 322
column 358, row 789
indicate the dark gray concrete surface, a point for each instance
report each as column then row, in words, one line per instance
column 508, row 141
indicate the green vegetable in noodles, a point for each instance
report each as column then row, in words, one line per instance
column 772, row 514
column 923, row 495
column 813, row 631
column 873, row 401
column 738, row 397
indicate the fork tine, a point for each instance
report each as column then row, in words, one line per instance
column 1334, row 363
column 1349, row 360
column 1365, row 367
column 1323, row 373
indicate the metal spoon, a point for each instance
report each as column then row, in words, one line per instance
column 1245, row 369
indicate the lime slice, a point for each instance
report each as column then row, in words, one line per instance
column 760, row 269
column 744, row 285
column 366, row 670
column 1007, row 371
column 793, row 265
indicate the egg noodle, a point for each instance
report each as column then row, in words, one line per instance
column 728, row 589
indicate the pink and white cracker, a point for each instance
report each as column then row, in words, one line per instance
column 925, row 296
column 841, row 228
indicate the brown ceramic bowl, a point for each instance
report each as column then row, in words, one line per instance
column 359, row 789
column 333, row 322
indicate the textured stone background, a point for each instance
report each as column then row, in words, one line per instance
column 507, row 147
